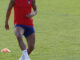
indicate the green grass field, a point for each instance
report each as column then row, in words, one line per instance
column 57, row 26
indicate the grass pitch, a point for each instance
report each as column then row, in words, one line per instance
column 57, row 26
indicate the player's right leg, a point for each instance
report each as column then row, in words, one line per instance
column 19, row 33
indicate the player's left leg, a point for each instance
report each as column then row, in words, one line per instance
column 30, row 37
column 31, row 42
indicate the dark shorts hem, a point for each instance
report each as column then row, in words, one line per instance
column 28, row 30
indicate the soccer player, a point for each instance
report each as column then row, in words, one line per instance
column 23, row 24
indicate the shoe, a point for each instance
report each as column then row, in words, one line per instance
column 27, row 58
column 22, row 57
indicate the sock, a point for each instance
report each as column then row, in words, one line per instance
column 25, row 53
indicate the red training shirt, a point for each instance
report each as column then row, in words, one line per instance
column 21, row 9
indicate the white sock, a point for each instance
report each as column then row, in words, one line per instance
column 25, row 53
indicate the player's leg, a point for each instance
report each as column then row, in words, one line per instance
column 19, row 31
column 31, row 42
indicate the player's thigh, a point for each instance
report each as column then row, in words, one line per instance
column 31, row 40
column 18, row 31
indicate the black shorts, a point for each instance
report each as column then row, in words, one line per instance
column 28, row 30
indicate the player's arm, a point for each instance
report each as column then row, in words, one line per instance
column 11, row 4
column 34, row 8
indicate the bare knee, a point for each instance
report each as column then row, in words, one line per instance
column 18, row 36
column 18, row 32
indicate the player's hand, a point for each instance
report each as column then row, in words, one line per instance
column 29, row 15
column 6, row 26
column 32, row 14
